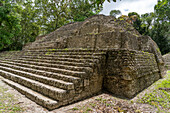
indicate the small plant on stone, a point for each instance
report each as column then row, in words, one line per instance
column 89, row 109
column 99, row 99
column 75, row 108
column 66, row 49
column 93, row 104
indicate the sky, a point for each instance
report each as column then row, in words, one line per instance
column 126, row 6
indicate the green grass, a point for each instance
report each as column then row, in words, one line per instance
column 48, row 53
column 159, row 98
column 8, row 104
column 89, row 109
column 75, row 108
column 93, row 104
column 165, row 83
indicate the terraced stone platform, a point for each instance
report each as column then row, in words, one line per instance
column 53, row 78
column 82, row 59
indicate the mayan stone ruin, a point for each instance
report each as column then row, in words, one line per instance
column 81, row 59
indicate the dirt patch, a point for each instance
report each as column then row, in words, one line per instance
column 106, row 103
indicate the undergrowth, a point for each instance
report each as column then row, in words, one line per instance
column 8, row 104
column 160, row 96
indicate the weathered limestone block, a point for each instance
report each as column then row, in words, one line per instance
column 82, row 41
column 167, row 61
column 148, row 45
column 129, row 72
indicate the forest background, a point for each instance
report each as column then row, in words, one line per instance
column 21, row 21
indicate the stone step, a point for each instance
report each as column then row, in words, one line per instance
column 78, row 50
column 58, row 62
column 167, row 63
column 46, row 80
column 34, row 96
column 42, row 42
column 64, row 59
column 66, row 56
column 50, row 65
column 10, row 54
column 50, row 91
column 46, row 73
column 42, row 47
column 48, row 69
column 65, row 53
column 47, row 43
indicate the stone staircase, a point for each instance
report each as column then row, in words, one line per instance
column 55, row 77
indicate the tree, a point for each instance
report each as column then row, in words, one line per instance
column 156, row 25
column 9, row 24
column 54, row 14
column 21, row 21
column 131, row 14
column 147, row 20
column 162, row 10
column 141, row 23
column 136, row 22
column 115, row 13
column 160, row 32
column 29, row 25
column 102, row 1
column 82, row 9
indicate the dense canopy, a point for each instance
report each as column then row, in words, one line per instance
column 21, row 21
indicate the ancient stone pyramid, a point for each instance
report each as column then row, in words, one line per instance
column 81, row 59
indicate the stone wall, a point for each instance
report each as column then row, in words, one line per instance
column 167, row 61
column 104, row 40
column 129, row 72
column 10, row 54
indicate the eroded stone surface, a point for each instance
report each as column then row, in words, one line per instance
column 167, row 60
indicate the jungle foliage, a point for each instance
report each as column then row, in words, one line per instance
column 21, row 21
